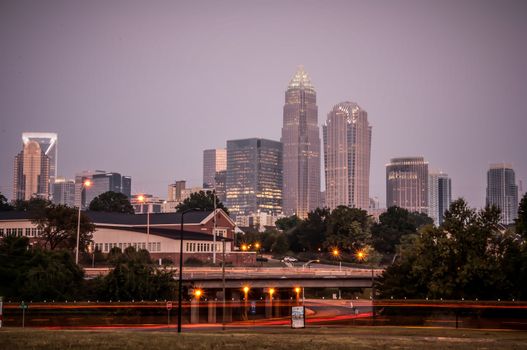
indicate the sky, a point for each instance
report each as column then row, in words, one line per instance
column 143, row 87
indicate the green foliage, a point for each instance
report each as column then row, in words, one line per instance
column 280, row 246
column 287, row 223
column 201, row 200
column 347, row 228
column 134, row 276
column 4, row 204
column 521, row 221
column 59, row 227
column 35, row 205
column 466, row 257
column 114, row 202
column 312, row 231
column 393, row 225
column 35, row 274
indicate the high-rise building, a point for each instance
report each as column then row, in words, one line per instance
column 146, row 204
column 221, row 189
column 407, row 184
column 214, row 160
column 64, row 191
column 347, row 145
column 48, row 142
column 301, row 147
column 254, row 176
column 502, row 191
column 439, row 196
column 31, row 172
column 101, row 181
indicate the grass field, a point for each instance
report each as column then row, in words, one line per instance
column 275, row 339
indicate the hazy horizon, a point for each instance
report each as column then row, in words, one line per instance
column 142, row 88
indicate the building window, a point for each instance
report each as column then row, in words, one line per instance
column 28, row 232
column 1, row 232
column 20, row 232
column 105, row 247
column 158, row 246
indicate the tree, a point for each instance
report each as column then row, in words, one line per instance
column 114, row 202
column 135, row 277
column 347, row 228
column 311, row 232
column 4, row 204
column 35, row 205
column 466, row 257
column 287, row 223
column 393, row 225
column 280, row 246
column 201, row 200
column 521, row 221
column 58, row 225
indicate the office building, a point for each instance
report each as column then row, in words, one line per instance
column 48, row 142
column 101, row 182
column 347, row 145
column 214, row 160
column 254, row 176
column 31, row 171
column 301, row 147
column 502, row 191
column 439, row 196
column 64, row 192
column 407, row 184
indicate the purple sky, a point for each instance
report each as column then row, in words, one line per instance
column 142, row 88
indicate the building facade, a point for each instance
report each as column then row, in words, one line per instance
column 439, row 196
column 407, row 184
column 31, row 172
column 214, row 160
column 64, row 192
column 502, row 191
column 301, row 147
column 254, row 176
column 101, row 182
column 347, row 149
column 48, row 142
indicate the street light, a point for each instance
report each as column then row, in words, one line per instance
column 309, row 262
column 180, row 287
column 361, row 255
column 86, row 184
column 297, row 291
column 246, row 294
column 336, row 254
column 141, row 198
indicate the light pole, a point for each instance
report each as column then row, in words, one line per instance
column 336, row 254
column 180, row 287
column 309, row 262
column 91, row 249
column 141, row 198
column 361, row 255
column 246, row 297
column 214, row 229
column 85, row 184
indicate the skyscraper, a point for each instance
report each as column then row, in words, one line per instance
column 102, row 181
column 31, row 172
column 48, row 142
column 254, row 176
column 214, row 160
column 407, row 184
column 439, row 196
column 301, row 147
column 502, row 191
column 64, row 192
column 347, row 144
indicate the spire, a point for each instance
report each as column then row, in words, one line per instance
column 300, row 80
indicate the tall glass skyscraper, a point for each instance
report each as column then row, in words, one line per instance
column 254, row 176
column 48, row 142
column 214, row 160
column 502, row 191
column 31, row 172
column 407, row 184
column 347, row 145
column 102, row 181
column 439, row 196
column 301, row 147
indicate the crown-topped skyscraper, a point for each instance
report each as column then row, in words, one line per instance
column 301, row 147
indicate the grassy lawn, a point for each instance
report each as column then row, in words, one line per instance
column 275, row 339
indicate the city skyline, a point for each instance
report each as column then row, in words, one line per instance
column 444, row 80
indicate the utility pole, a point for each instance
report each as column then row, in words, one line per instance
column 223, row 281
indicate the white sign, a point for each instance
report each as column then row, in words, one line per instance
column 298, row 319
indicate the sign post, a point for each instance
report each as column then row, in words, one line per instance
column 298, row 317
column 169, row 307
column 23, row 306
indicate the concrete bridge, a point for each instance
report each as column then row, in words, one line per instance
column 275, row 277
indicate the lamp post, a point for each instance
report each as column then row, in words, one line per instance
column 309, row 262
column 85, row 184
column 180, row 287
column 246, row 297
column 297, row 291
column 141, row 198
column 336, row 254
column 361, row 255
